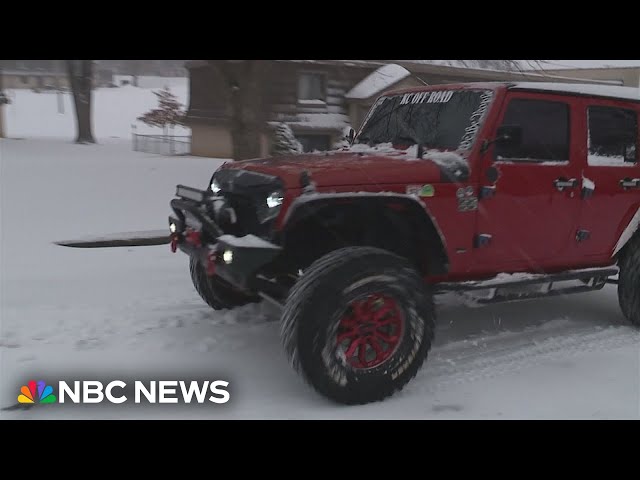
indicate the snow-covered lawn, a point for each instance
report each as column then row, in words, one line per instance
column 49, row 114
column 132, row 313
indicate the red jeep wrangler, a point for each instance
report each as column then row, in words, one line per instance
column 508, row 191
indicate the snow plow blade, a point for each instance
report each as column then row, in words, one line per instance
column 125, row 239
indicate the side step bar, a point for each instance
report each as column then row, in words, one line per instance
column 512, row 287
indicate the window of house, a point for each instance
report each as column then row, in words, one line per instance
column 24, row 79
column 545, row 131
column 613, row 136
column 312, row 143
column 312, row 88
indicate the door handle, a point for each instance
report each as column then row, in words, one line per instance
column 628, row 183
column 562, row 183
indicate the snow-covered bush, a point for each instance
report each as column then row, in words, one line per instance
column 343, row 141
column 284, row 141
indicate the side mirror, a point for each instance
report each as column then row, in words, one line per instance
column 351, row 136
column 509, row 136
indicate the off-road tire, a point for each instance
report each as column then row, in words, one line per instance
column 218, row 294
column 317, row 302
column 629, row 281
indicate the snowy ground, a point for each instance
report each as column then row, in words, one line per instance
column 50, row 114
column 131, row 313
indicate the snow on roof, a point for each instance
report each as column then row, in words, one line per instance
column 471, row 64
column 379, row 80
column 577, row 64
column 612, row 91
column 328, row 121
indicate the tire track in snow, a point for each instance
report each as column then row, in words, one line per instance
column 453, row 364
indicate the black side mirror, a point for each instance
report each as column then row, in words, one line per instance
column 509, row 136
column 351, row 136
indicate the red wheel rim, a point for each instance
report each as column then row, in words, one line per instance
column 370, row 331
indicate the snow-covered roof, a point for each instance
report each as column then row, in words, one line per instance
column 611, row 91
column 381, row 79
column 577, row 64
column 321, row 121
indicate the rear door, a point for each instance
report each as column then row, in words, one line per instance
column 530, row 220
column 612, row 168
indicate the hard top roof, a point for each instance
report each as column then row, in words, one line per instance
column 586, row 89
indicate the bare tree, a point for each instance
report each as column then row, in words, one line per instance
column 245, row 82
column 169, row 113
column 3, row 101
column 81, row 81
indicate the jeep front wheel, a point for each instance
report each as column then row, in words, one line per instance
column 358, row 324
column 217, row 293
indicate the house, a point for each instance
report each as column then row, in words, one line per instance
column 45, row 75
column 49, row 80
column 319, row 99
column 39, row 80
column 307, row 95
column 33, row 74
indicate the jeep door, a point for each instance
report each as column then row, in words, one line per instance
column 611, row 170
column 527, row 217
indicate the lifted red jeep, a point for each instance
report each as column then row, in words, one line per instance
column 503, row 191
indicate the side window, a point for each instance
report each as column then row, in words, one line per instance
column 545, row 131
column 613, row 136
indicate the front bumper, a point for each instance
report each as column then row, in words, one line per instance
column 238, row 260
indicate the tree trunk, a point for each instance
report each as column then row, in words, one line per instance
column 2, row 121
column 81, row 81
column 1, row 104
column 245, row 80
column 245, row 132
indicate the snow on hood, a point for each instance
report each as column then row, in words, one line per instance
column 410, row 153
column 381, row 164
column 450, row 160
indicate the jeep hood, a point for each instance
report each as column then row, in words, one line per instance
column 351, row 169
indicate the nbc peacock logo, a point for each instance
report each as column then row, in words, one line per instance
column 36, row 392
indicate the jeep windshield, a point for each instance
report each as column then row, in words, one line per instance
column 442, row 119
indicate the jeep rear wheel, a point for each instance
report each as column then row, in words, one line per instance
column 629, row 282
column 358, row 324
column 217, row 293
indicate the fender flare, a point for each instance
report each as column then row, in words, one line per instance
column 309, row 204
column 632, row 229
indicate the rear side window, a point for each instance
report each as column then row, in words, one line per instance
column 613, row 136
column 545, row 131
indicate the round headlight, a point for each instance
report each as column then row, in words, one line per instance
column 215, row 187
column 275, row 200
